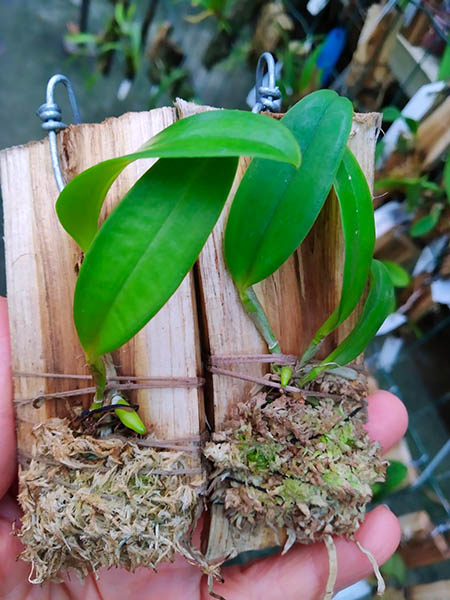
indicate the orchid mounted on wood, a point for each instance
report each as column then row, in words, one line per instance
column 137, row 259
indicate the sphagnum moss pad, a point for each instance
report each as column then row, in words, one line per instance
column 90, row 503
column 297, row 462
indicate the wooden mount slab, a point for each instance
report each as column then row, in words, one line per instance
column 41, row 265
column 297, row 300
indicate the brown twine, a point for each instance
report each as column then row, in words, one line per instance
column 166, row 444
column 153, row 382
column 167, row 382
column 273, row 384
column 25, row 459
column 173, row 382
column 280, row 359
column 163, row 381
column 216, row 360
column 190, row 444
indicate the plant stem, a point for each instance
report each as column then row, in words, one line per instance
column 311, row 350
column 101, row 368
column 98, row 370
column 258, row 316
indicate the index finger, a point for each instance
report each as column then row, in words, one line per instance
column 388, row 419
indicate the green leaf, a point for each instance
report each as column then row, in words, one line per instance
column 431, row 186
column 413, row 195
column 391, row 113
column 404, row 183
column 426, row 223
column 145, row 248
column 276, row 204
column 309, row 67
column 395, row 474
column 395, row 567
column 378, row 305
column 399, row 276
column 394, row 183
column 358, row 224
column 221, row 133
column 412, row 124
column 376, row 308
column 444, row 67
column 285, row 375
column 81, row 38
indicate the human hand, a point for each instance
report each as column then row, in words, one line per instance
column 301, row 573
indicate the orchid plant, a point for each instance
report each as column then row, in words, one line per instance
column 139, row 256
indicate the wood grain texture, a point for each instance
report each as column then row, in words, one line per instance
column 297, row 300
column 41, row 263
column 433, row 135
column 369, row 73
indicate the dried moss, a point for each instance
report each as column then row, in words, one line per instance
column 298, row 463
column 91, row 503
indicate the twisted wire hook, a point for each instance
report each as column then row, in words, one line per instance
column 266, row 97
column 50, row 115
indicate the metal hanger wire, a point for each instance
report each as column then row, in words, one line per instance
column 50, row 115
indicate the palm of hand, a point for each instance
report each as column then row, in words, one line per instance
column 302, row 573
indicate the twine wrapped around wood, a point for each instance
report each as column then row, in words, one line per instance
column 153, row 382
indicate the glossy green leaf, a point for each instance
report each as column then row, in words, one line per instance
column 399, row 276
column 376, row 308
column 358, row 224
column 145, row 248
column 277, row 204
column 378, row 305
column 425, row 224
column 223, row 133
